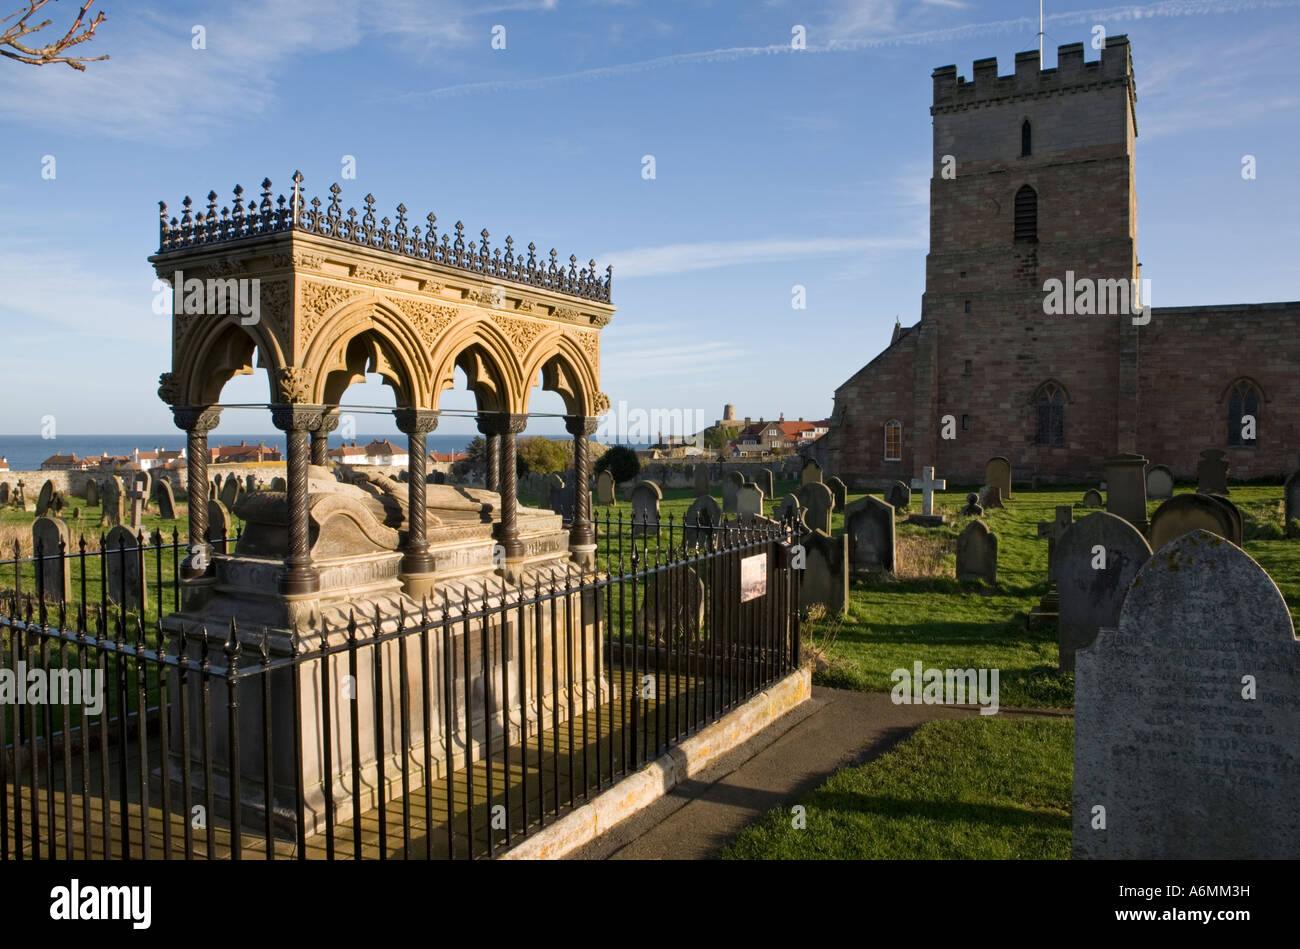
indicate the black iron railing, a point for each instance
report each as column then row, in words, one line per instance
column 453, row 730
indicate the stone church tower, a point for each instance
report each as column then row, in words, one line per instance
column 1033, row 180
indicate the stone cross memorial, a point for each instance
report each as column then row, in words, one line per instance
column 1187, row 715
column 928, row 484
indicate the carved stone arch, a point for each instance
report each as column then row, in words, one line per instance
column 1240, row 383
column 366, row 336
column 567, row 370
column 215, row 353
column 484, row 353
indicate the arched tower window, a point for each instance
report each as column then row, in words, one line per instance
column 893, row 440
column 1026, row 139
column 1243, row 414
column 1049, row 402
column 1027, row 214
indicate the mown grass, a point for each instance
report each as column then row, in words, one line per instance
column 970, row 789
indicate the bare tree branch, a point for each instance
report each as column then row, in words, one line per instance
column 53, row 53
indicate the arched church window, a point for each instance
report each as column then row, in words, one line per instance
column 1243, row 414
column 1049, row 401
column 1026, row 139
column 893, row 440
column 1026, row 214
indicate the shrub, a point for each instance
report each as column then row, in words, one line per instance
column 621, row 462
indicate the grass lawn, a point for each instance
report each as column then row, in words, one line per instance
column 971, row 789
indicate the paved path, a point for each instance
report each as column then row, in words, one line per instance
column 834, row 729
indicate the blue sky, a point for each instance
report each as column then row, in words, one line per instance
column 774, row 167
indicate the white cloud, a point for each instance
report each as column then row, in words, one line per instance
column 708, row 255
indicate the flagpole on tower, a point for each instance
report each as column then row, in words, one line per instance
column 1040, row 34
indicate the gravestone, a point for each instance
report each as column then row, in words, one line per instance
column 605, row 488
column 731, row 483
column 645, row 508
column 136, row 497
column 166, row 501
column 1290, row 504
column 749, row 499
column 839, row 491
column 990, row 496
column 142, row 481
column 562, row 499
column 673, row 608
column 972, row 508
column 869, row 526
column 55, row 579
column 92, row 493
column 899, row 496
column 1092, row 498
column 44, row 499
column 702, row 517
column 928, row 484
column 763, row 478
column 1233, row 512
column 977, row 553
column 218, row 526
column 1212, row 472
column 1186, row 723
column 20, row 497
column 230, row 492
column 1048, row 607
column 812, row 473
column 818, row 502
column 701, row 480
column 250, row 483
column 112, row 497
column 790, row 511
column 123, row 579
column 278, row 484
column 1126, row 488
column 1160, row 483
column 1188, row 512
column 1096, row 560
column 997, row 473
column 826, row 571
column 4, row 492
column 550, row 484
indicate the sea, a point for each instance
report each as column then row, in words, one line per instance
column 26, row 452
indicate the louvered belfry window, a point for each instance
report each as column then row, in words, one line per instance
column 1026, row 215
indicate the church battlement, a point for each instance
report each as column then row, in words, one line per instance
column 954, row 92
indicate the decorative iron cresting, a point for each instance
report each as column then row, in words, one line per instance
column 197, row 228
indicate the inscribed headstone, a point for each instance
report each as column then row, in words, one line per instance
column 1096, row 560
column 977, row 553
column 869, row 526
column 1188, row 512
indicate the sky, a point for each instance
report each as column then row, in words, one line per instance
column 774, row 167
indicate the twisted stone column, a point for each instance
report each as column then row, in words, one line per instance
column 320, row 438
column 196, row 421
column 417, row 424
column 297, row 422
column 508, row 535
column 582, row 534
column 490, row 425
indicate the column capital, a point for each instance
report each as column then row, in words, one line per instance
column 580, row 424
column 415, row 421
column 295, row 417
column 199, row 419
column 502, row 423
column 328, row 422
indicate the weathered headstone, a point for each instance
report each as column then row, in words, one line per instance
column 763, row 478
column 972, row 507
column 839, row 491
column 990, row 496
column 869, row 526
column 278, row 484
column 1160, row 483
column 218, row 526
column 928, row 484
column 826, row 571
column 562, row 499
column 1188, row 512
column 92, row 493
column 749, row 499
column 166, row 501
column 818, row 502
column 250, row 483
column 997, row 473
column 790, row 510
column 230, row 492
column 550, row 484
column 701, row 480
column 136, row 496
column 1290, row 504
column 1126, row 488
column 731, row 483
column 1096, row 560
column 20, row 498
column 142, row 481
column 899, row 496
column 605, row 488
column 1233, row 512
column 1092, row 498
column 1187, row 718
column 4, row 492
column 44, row 498
column 51, row 542
column 977, row 553
column 123, row 576
column 1212, row 472
column 112, row 496
column 812, row 472
column 702, row 519
column 645, row 508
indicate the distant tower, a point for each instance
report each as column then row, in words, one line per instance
column 728, row 413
